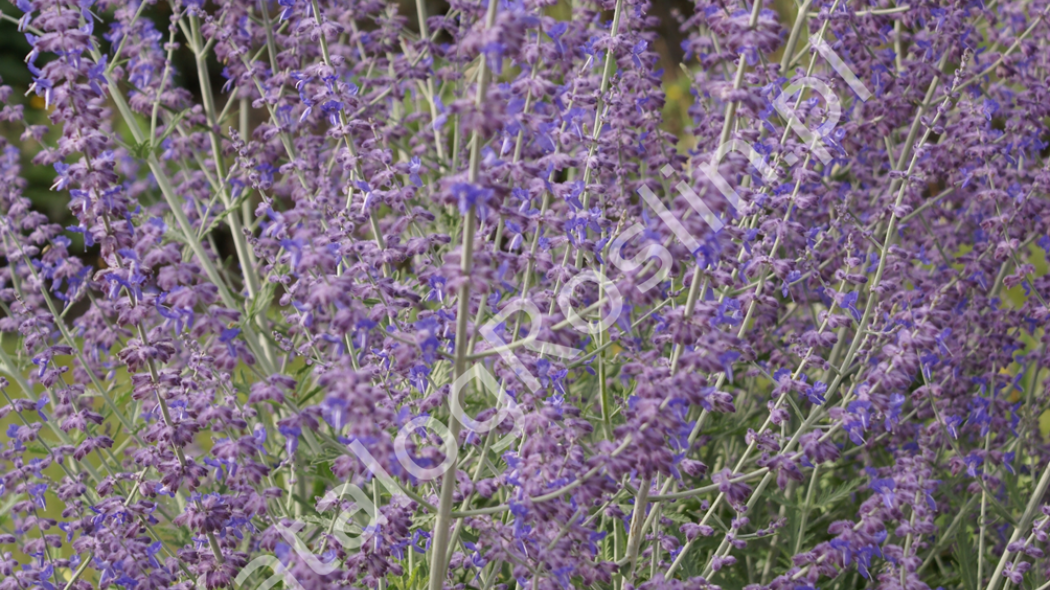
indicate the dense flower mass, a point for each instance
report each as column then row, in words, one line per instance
column 409, row 300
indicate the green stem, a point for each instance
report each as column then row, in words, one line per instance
column 442, row 532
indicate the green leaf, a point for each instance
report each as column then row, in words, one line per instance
column 226, row 212
column 310, row 394
column 1000, row 511
column 793, row 524
column 6, row 508
column 261, row 303
column 308, row 506
column 142, row 149
column 1014, row 492
column 123, row 399
column 678, row 518
column 965, row 559
column 171, row 126
column 832, row 495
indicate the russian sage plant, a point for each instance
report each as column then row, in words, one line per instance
column 408, row 300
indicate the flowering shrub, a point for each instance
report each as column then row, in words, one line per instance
column 436, row 301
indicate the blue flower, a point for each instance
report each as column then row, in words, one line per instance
column 39, row 406
column 259, row 436
column 556, row 32
column 637, row 51
column 334, row 411
column 979, row 414
column 416, row 536
column 291, row 434
column 952, row 423
column 791, row 278
column 815, row 393
column 884, row 487
column 419, row 377
column 972, row 462
column 989, row 108
column 849, row 303
column 470, row 196
column 227, row 337
column 36, row 491
column 332, row 108
column 494, row 55
column 728, row 312
column 413, row 172
column 1008, row 459
column 573, row 197
column 726, row 359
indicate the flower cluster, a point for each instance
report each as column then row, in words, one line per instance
column 407, row 300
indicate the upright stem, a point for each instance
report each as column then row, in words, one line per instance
column 633, row 541
column 865, row 317
column 240, row 244
column 442, row 532
column 981, row 523
column 185, row 226
column 805, row 510
column 439, row 144
column 1022, row 525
